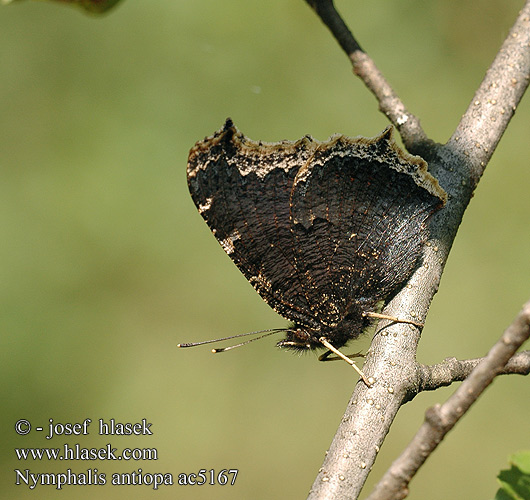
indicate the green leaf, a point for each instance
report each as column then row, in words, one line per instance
column 92, row 6
column 515, row 482
column 522, row 461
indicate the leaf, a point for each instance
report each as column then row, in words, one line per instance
column 92, row 6
column 522, row 461
column 515, row 482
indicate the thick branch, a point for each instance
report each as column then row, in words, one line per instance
column 440, row 419
column 364, row 67
column 371, row 410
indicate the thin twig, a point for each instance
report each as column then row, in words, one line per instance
column 432, row 377
column 440, row 419
column 364, row 67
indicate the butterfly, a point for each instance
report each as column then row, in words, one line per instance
column 324, row 231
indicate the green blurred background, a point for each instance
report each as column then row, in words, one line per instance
column 106, row 264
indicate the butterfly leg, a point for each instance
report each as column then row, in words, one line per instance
column 391, row 318
column 327, row 356
column 335, row 351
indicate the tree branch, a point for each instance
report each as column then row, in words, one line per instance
column 391, row 359
column 364, row 67
column 432, row 377
column 440, row 419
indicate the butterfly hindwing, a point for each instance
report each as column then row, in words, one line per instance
column 360, row 220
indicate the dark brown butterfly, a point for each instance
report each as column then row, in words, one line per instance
column 324, row 231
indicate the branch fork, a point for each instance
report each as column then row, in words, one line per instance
column 391, row 360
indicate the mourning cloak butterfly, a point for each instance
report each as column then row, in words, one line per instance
column 324, row 231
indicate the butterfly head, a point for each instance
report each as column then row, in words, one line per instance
column 302, row 338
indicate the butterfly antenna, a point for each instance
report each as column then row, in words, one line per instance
column 267, row 333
